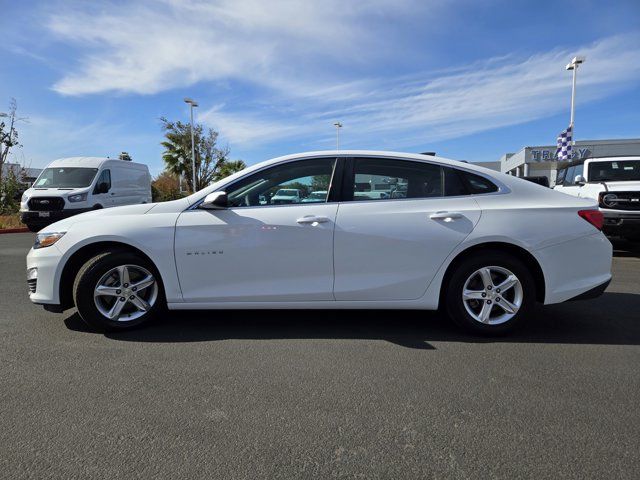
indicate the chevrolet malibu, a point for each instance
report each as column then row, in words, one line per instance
column 481, row 246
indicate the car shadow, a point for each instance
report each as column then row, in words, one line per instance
column 610, row 319
column 625, row 248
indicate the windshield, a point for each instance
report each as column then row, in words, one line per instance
column 614, row 171
column 287, row 193
column 72, row 177
column 318, row 195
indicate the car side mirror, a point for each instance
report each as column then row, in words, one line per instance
column 215, row 201
column 579, row 180
column 102, row 187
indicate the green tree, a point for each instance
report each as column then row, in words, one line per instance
column 212, row 163
column 10, row 188
column 320, row 182
column 166, row 187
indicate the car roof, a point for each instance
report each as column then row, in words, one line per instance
column 351, row 153
column 609, row 159
column 90, row 162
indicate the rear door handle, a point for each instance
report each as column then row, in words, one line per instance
column 311, row 219
column 446, row 216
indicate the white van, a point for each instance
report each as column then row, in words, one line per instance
column 69, row 186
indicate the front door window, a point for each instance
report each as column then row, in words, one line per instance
column 300, row 182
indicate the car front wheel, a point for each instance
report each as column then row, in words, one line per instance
column 490, row 293
column 117, row 290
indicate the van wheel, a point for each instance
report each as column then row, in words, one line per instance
column 490, row 293
column 117, row 290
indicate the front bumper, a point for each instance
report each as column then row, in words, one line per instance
column 46, row 261
column 30, row 217
column 621, row 222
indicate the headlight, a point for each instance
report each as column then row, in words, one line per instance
column 47, row 239
column 78, row 197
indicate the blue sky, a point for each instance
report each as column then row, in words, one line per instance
column 469, row 80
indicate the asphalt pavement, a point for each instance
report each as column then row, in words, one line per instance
column 326, row 394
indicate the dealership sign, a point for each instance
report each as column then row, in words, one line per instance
column 542, row 154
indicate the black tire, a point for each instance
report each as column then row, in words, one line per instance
column 455, row 306
column 93, row 271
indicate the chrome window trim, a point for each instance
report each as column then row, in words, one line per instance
column 502, row 188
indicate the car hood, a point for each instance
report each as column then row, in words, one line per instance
column 63, row 225
column 623, row 186
column 48, row 192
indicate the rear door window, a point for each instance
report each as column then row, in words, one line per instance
column 387, row 179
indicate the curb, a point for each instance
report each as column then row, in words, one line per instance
column 14, row 230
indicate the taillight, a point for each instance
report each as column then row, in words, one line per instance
column 594, row 217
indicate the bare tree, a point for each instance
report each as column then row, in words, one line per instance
column 8, row 132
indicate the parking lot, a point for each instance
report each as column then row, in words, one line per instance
column 293, row 394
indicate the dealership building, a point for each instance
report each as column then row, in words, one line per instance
column 540, row 161
column 24, row 174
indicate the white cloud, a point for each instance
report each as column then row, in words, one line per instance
column 483, row 96
column 150, row 46
column 248, row 128
column 291, row 51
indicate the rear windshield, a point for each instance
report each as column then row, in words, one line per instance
column 614, row 171
column 71, row 177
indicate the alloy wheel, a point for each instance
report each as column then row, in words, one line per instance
column 125, row 293
column 492, row 295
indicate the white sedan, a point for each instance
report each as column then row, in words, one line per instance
column 481, row 246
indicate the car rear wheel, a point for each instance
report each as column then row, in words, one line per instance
column 117, row 290
column 490, row 293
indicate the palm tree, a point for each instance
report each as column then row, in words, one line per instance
column 212, row 163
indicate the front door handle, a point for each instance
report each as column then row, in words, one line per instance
column 312, row 219
column 446, row 216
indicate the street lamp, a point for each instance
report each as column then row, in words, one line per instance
column 192, row 103
column 573, row 65
column 338, row 126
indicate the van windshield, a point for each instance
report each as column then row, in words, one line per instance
column 68, row 177
column 614, row 171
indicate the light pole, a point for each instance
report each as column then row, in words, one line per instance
column 192, row 103
column 573, row 65
column 338, row 126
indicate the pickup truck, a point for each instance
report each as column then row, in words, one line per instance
column 614, row 182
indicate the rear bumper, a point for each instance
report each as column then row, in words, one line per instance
column 595, row 292
column 31, row 217
column 575, row 267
